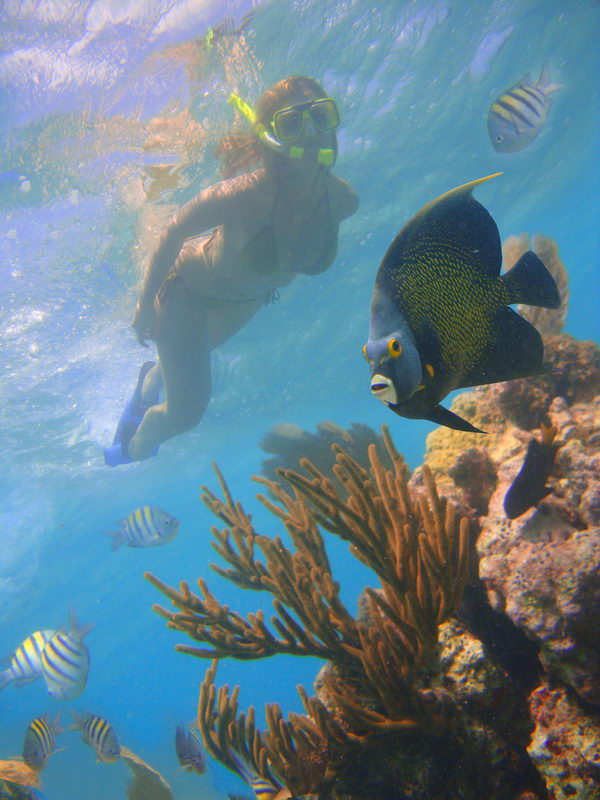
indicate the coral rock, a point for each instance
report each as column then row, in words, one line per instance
column 565, row 746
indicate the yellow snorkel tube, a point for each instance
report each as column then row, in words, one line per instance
column 325, row 155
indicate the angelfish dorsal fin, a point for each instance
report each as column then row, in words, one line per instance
column 454, row 219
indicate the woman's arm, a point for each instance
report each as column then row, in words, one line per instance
column 344, row 199
column 216, row 205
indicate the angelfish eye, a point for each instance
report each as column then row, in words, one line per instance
column 394, row 348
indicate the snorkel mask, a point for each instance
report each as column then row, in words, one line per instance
column 288, row 124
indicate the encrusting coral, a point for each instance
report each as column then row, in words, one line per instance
column 541, row 570
column 383, row 722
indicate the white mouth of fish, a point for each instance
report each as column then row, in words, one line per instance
column 383, row 389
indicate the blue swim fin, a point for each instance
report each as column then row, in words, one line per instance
column 129, row 422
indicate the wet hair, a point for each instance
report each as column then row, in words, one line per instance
column 239, row 152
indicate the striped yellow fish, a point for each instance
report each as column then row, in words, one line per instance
column 263, row 788
column 147, row 526
column 40, row 741
column 66, row 662
column 518, row 115
column 26, row 662
column 99, row 734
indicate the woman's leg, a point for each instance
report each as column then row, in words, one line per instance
column 184, row 354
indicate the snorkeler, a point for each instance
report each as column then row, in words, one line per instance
column 265, row 227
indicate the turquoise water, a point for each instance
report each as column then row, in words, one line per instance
column 83, row 87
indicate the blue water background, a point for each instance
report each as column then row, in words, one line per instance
column 79, row 84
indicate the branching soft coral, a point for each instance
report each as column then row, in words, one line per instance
column 415, row 544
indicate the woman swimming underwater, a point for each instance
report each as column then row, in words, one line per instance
column 265, row 227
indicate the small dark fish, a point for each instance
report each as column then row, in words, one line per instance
column 99, row 734
column 529, row 487
column 439, row 315
column 189, row 750
column 40, row 741
column 518, row 115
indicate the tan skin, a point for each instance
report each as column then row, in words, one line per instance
column 302, row 201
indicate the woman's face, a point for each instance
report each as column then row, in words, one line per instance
column 311, row 136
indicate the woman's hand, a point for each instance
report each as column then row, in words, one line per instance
column 144, row 322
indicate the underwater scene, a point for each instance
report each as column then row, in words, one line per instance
column 300, row 400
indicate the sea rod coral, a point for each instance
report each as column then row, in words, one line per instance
column 384, row 725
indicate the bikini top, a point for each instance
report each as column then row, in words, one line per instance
column 260, row 256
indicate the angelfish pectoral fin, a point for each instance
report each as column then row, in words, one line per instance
column 441, row 416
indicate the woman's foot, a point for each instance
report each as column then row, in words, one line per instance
column 130, row 420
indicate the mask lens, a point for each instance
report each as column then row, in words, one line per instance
column 287, row 124
column 324, row 114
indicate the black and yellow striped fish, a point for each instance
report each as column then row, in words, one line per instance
column 147, row 526
column 40, row 741
column 99, row 734
column 518, row 115
column 66, row 662
column 439, row 314
column 26, row 662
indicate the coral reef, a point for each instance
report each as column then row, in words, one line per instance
column 400, row 711
column 542, row 569
column 146, row 782
column 289, row 444
column 17, row 771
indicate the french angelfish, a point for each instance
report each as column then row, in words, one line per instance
column 146, row 526
column 26, row 662
column 99, row 734
column 66, row 661
column 529, row 487
column 517, row 116
column 439, row 313
column 40, row 741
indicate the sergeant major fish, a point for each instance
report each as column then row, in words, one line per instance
column 40, row 741
column 189, row 750
column 66, row 661
column 529, row 487
column 99, row 734
column 147, row 526
column 26, row 662
column 439, row 314
column 263, row 788
column 518, row 115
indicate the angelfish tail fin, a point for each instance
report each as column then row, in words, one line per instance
column 529, row 282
